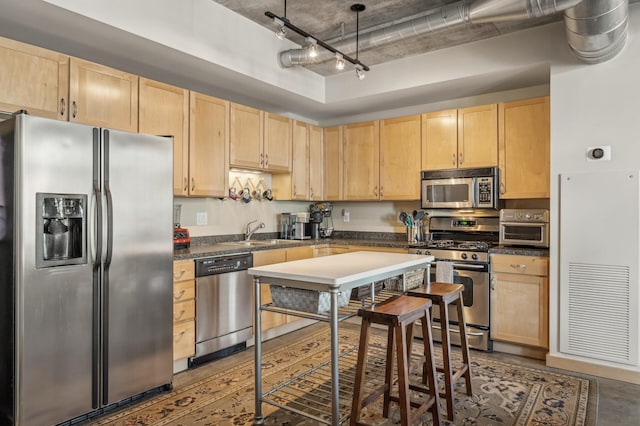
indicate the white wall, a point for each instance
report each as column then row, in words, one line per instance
column 591, row 106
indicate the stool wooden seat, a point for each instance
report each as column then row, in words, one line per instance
column 444, row 294
column 398, row 314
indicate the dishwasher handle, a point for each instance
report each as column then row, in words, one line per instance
column 223, row 264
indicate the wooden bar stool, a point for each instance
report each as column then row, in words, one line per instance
column 444, row 294
column 398, row 314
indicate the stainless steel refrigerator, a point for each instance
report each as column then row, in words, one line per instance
column 85, row 268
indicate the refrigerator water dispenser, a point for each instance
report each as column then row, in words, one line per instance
column 61, row 230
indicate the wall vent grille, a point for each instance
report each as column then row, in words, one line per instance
column 599, row 311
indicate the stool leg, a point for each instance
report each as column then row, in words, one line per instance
column 430, row 376
column 446, row 358
column 388, row 373
column 464, row 346
column 403, row 375
column 360, row 372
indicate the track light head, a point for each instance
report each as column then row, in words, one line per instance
column 360, row 73
column 339, row 62
column 312, row 47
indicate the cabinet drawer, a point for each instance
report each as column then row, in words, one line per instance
column 183, row 270
column 184, row 340
column 514, row 264
column 184, row 290
column 184, row 310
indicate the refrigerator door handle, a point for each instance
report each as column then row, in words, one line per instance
column 97, row 264
column 107, row 191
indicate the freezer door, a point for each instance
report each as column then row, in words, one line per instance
column 53, row 305
column 138, row 179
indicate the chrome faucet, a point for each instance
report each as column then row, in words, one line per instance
column 250, row 231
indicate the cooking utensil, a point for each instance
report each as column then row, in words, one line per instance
column 419, row 215
column 415, row 213
column 402, row 217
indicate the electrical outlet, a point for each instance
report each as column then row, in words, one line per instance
column 201, row 218
column 345, row 215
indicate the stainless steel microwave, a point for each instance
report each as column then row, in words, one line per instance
column 459, row 189
column 524, row 227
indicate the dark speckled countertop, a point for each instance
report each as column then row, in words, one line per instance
column 222, row 245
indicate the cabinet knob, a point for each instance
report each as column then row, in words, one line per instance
column 453, row 159
column 261, row 160
column 493, row 283
column 375, row 190
column 502, row 188
column 75, row 109
column 186, row 184
column 193, row 184
column 461, row 159
column 266, row 160
column 381, row 193
column 63, row 106
column 178, row 294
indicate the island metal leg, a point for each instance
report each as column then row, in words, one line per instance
column 257, row 358
column 335, row 370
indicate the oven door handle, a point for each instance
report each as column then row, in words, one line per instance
column 437, row 327
column 465, row 266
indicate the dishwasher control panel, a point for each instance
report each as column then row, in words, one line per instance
column 223, row 264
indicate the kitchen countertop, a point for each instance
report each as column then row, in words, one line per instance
column 210, row 247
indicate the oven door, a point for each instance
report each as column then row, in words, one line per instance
column 475, row 300
column 452, row 193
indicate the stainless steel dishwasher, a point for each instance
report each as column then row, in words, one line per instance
column 223, row 306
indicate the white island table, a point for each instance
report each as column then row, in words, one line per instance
column 332, row 274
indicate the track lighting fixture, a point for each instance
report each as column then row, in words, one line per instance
column 357, row 8
column 313, row 42
column 281, row 31
column 312, row 47
column 339, row 62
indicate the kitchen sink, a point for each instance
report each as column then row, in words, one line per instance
column 256, row 243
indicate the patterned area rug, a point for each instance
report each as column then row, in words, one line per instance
column 504, row 394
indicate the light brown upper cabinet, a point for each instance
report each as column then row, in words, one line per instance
column 33, row 79
column 400, row 158
column 259, row 140
column 300, row 161
column 524, row 148
column 102, row 96
column 463, row 138
column 164, row 110
column 306, row 169
column 208, row 146
column 361, row 161
column 316, row 166
column 333, row 163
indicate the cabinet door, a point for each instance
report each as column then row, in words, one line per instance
column 400, row 158
column 361, row 161
column 523, row 153
column 164, row 110
column 246, row 135
column 333, row 163
column 300, row 169
column 519, row 309
column 315, row 163
column 33, row 79
column 262, row 258
column 478, row 136
column 102, row 96
column 277, row 143
column 208, row 146
column 440, row 140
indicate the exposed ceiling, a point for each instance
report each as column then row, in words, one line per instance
column 324, row 20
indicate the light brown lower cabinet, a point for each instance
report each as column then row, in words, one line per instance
column 520, row 299
column 184, row 309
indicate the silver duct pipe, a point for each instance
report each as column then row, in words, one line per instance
column 597, row 29
column 484, row 11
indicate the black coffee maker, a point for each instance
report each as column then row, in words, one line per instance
column 320, row 220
